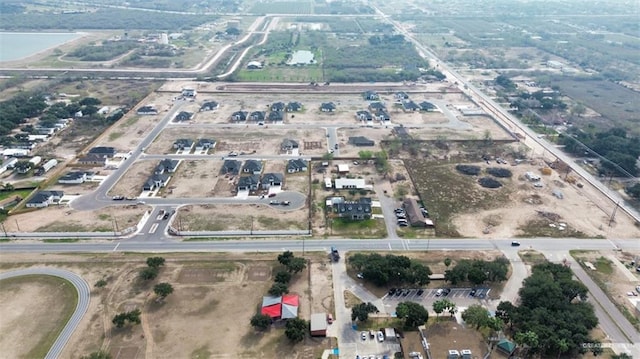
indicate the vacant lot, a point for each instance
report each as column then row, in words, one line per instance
column 240, row 217
column 130, row 184
column 212, row 294
column 446, row 335
column 30, row 330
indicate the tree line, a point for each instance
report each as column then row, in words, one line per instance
column 390, row 269
column 478, row 271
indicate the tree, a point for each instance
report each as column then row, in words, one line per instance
column 447, row 262
column 278, row 289
column 97, row 355
column 505, row 312
column 90, row 101
column 149, row 273
column 162, row 290
column 119, row 320
column 476, row 275
column 477, row 316
column 365, row 155
column 621, row 356
column 361, row 311
column 439, row 306
column 413, row 314
column 260, row 321
column 296, row 329
column 155, row 262
column 528, row 340
column 296, row 265
column 285, row 258
column 634, row 191
column 282, row 276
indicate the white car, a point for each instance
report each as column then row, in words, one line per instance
column 363, row 335
column 380, row 337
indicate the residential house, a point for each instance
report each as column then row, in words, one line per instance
column 376, row 107
column 354, row 210
column 205, row 144
column 249, row 183
column 288, row 145
column 92, row 159
column 44, row 199
column 401, row 96
column 239, row 116
column 147, row 110
column 156, row 181
column 410, row 106
column 252, row 166
column 74, row 177
column 271, row 179
column 254, row 65
column 167, row 165
column 371, row 96
column 8, row 164
column 360, row 141
column 296, row 165
column 257, row 116
column 327, row 107
column 209, row 106
column 350, row 183
column 364, row 115
column 183, row 116
column 415, row 215
column 278, row 106
column 183, row 144
column 382, row 116
column 231, row 167
column 427, row 106
column 294, row 106
column 106, row 152
column 276, row 116
column 189, row 92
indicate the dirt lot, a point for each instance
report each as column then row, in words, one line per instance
column 615, row 276
column 205, row 301
column 581, row 209
column 239, row 217
column 130, row 184
column 64, row 219
column 447, row 335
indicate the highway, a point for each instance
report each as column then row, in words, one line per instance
column 84, row 297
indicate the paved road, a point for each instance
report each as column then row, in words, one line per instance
column 81, row 308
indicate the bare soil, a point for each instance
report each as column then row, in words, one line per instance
column 130, row 184
column 239, row 217
column 446, row 335
column 213, row 293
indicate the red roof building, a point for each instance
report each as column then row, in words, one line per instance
column 284, row 307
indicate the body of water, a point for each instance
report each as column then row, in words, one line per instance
column 18, row 45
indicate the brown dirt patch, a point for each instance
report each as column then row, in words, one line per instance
column 130, row 184
column 258, row 273
column 238, row 217
column 443, row 336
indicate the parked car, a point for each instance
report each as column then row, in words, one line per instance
column 363, row 335
column 360, row 275
column 329, row 318
column 117, row 198
column 392, row 291
column 515, row 244
column 285, row 203
column 446, row 291
column 380, row 337
column 439, row 292
column 472, row 293
column 420, row 291
column 403, row 224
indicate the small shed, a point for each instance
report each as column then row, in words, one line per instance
column 506, row 346
column 343, row 168
column 318, row 325
column 390, row 334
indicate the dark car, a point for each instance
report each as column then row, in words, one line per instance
column 472, row 293
column 515, row 244
column 166, row 216
column 420, row 291
column 392, row 291
column 446, row 291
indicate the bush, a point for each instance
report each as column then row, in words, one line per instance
column 468, row 170
column 489, row 182
column 499, row 172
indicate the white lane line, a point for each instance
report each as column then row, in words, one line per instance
column 153, row 228
column 389, row 246
column 116, row 247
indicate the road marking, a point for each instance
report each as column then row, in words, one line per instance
column 389, row 246
column 153, row 228
column 116, row 247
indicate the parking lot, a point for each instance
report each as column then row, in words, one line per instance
column 371, row 347
column 430, row 295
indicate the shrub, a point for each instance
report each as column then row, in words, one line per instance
column 468, row 170
column 489, row 182
column 499, row 172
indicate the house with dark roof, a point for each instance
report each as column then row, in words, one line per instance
column 183, row 116
column 205, row 144
column 271, row 179
column 410, row 106
column 189, row 92
column 277, row 106
column 156, row 181
column 327, row 107
column 361, row 141
column 209, row 106
column 377, row 106
column 382, row 116
column 415, row 215
column 252, row 166
column 92, row 159
column 249, row 183
column 73, row 177
column 401, row 96
column 294, row 106
column 106, row 152
column 231, row 167
column 370, row 95
column 296, row 165
column 257, row 116
column 354, row 210
column 239, row 116
column 44, row 199
column 167, row 165
column 364, row 115
column 183, row 144
column 147, row 110
column 276, row 116
column 427, row 106
column 288, row 145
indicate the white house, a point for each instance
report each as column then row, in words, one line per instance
column 44, row 199
column 350, row 183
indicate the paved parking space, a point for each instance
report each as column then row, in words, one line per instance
column 431, row 294
column 371, row 347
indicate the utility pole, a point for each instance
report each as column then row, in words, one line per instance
column 613, row 214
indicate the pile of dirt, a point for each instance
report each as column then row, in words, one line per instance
column 533, row 199
column 468, row 170
column 554, row 217
column 488, row 182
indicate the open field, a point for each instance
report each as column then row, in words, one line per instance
column 239, row 217
column 207, row 288
column 447, row 335
column 616, row 277
column 30, row 330
column 64, row 219
column 130, row 184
